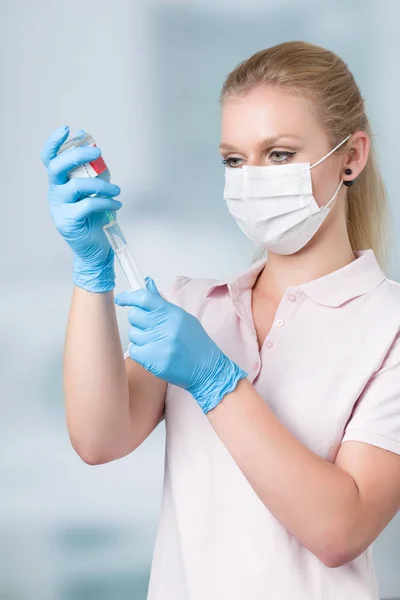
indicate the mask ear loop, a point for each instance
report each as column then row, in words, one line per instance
column 323, row 158
column 334, row 195
column 329, row 153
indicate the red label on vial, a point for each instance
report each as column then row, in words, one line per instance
column 98, row 165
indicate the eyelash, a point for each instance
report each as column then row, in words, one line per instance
column 226, row 161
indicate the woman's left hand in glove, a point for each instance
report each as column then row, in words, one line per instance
column 172, row 344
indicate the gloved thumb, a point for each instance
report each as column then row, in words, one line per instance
column 151, row 286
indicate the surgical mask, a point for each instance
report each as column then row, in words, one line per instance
column 274, row 206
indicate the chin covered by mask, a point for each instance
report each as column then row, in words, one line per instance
column 274, row 206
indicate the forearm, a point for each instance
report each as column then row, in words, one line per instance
column 312, row 498
column 95, row 380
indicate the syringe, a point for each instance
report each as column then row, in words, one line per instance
column 98, row 168
column 123, row 253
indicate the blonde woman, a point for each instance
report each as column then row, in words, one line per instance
column 280, row 387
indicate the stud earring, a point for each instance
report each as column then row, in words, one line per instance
column 351, row 181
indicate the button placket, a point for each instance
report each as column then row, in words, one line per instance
column 288, row 308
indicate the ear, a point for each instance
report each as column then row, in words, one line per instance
column 357, row 154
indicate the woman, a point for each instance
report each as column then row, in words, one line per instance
column 282, row 411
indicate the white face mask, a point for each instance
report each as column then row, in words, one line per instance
column 274, row 206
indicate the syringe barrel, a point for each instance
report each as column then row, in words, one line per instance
column 124, row 255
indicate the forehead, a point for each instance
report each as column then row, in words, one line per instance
column 265, row 111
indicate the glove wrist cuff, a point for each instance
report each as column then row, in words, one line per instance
column 92, row 277
column 224, row 380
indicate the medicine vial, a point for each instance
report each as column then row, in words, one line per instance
column 95, row 168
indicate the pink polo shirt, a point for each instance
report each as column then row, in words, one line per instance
column 330, row 370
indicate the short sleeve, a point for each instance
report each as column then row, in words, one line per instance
column 170, row 293
column 376, row 416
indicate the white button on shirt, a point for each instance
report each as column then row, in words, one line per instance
column 340, row 344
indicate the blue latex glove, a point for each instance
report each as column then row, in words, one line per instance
column 80, row 219
column 172, row 344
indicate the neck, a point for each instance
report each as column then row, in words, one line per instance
column 328, row 251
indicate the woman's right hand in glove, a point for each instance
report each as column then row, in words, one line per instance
column 80, row 219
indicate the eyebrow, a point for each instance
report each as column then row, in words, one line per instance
column 266, row 142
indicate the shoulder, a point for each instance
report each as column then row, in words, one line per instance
column 385, row 301
column 392, row 287
column 383, row 321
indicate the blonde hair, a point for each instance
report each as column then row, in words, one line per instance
column 323, row 78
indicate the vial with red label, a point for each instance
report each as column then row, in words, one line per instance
column 95, row 168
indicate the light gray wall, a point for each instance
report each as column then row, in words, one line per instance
column 143, row 77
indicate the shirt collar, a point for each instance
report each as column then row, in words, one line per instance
column 355, row 279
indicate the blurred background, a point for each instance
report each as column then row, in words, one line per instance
column 143, row 78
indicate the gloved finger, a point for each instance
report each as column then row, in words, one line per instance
column 136, row 353
column 139, row 337
column 137, row 317
column 145, row 356
column 142, row 298
column 88, row 206
column 53, row 143
column 77, row 187
column 69, row 159
column 151, row 286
